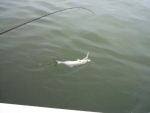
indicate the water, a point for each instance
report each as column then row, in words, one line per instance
column 116, row 81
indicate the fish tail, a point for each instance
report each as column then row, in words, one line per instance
column 57, row 62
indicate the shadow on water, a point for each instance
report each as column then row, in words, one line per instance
column 65, row 70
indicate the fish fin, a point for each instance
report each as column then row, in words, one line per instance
column 87, row 55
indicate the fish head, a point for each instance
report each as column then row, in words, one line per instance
column 88, row 60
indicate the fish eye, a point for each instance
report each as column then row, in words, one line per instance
column 89, row 60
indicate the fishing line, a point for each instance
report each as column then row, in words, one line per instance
column 45, row 16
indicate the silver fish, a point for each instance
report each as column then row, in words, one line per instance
column 76, row 62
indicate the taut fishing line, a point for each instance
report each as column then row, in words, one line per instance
column 44, row 16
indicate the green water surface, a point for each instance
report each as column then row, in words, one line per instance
column 117, row 80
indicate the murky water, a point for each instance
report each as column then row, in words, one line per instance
column 117, row 79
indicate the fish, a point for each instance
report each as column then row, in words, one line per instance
column 76, row 62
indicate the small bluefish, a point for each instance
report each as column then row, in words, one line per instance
column 76, row 62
